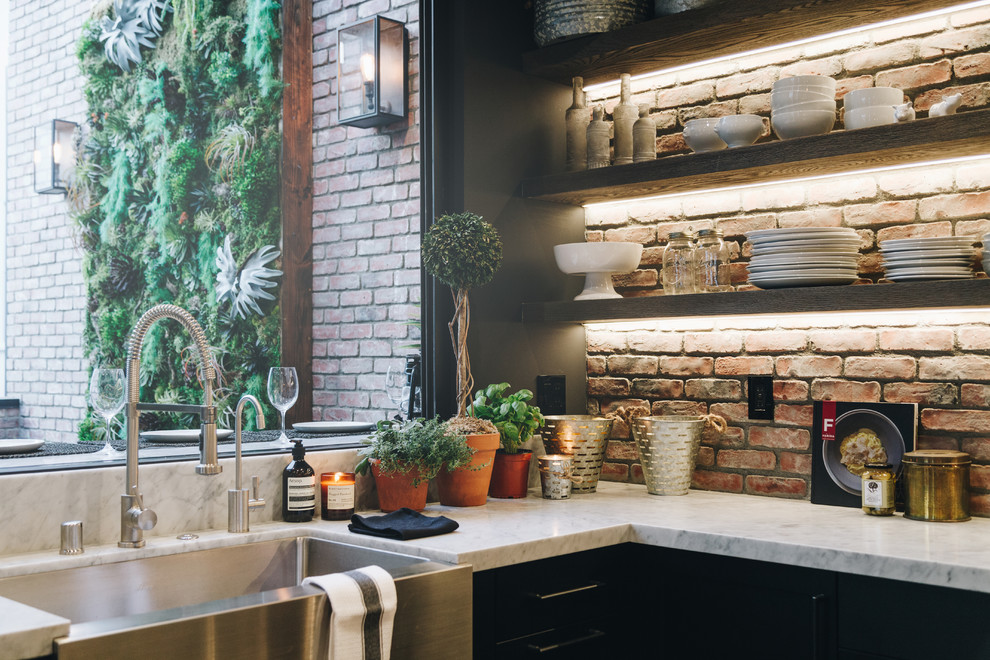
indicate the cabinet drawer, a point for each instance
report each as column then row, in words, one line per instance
column 576, row 641
column 557, row 592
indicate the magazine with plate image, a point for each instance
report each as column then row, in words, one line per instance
column 847, row 435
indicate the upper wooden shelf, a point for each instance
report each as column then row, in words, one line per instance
column 867, row 297
column 963, row 134
column 729, row 28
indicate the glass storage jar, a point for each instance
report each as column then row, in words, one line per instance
column 679, row 265
column 712, row 262
column 878, row 489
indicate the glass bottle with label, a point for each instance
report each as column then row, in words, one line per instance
column 678, row 265
column 878, row 489
column 298, row 487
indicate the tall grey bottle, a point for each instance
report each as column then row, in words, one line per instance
column 644, row 136
column 577, row 118
column 598, row 140
column 623, row 118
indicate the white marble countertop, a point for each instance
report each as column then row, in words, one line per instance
column 506, row 532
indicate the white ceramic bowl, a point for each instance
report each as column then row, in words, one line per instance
column 597, row 261
column 739, row 130
column 820, row 81
column 700, row 135
column 790, row 96
column 872, row 96
column 789, row 125
column 806, row 105
column 866, row 117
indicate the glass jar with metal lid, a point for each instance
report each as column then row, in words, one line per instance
column 936, row 485
column 878, row 489
column 712, row 262
column 678, row 265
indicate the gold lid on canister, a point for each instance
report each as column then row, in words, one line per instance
column 936, row 457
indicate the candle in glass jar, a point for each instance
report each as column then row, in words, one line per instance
column 336, row 495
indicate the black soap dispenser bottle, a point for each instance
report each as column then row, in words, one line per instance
column 298, row 487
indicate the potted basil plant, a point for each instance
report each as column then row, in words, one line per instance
column 404, row 456
column 516, row 420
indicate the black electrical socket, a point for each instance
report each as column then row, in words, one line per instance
column 551, row 395
column 760, row 397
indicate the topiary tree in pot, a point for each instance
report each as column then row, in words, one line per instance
column 463, row 251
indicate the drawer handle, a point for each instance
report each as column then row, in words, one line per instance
column 592, row 584
column 591, row 634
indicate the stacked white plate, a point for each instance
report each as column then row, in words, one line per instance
column 803, row 256
column 915, row 259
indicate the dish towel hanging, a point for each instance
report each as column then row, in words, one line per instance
column 362, row 611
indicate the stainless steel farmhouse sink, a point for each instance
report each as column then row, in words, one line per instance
column 242, row 602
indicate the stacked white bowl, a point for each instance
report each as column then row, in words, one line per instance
column 873, row 106
column 802, row 105
column 803, row 256
column 915, row 259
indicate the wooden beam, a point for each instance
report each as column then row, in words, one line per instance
column 297, row 200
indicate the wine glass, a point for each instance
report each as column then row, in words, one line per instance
column 397, row 390
column 283, row 390
column 107, row 395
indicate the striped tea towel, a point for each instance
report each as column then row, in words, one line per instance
column 362, row 611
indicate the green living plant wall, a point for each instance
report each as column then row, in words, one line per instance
column 177, row 191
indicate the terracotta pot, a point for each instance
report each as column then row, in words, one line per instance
column 468, row 486
column 510, row 474
column 396, row 490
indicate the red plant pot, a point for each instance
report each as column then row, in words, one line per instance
column 468, row 486
column 396, row 490
column 510, row 474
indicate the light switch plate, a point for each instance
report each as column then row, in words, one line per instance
column 551, row 394
column 760, row 389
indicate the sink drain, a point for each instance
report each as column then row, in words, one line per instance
column 187, row 537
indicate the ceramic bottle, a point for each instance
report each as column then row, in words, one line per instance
column 577, row 118
column 624, row 116
column 644, row 136
column 598, row 140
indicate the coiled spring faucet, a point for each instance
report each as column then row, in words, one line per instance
column 135, row 519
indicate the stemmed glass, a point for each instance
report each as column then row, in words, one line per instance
column 283, row 390
column 107, row 395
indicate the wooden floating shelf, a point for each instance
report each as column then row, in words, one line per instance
column 964, row 134
column 731, row 28
column 867, row 297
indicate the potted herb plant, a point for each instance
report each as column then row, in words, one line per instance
column 516, row 420
column 463, row 251
column 404, row 456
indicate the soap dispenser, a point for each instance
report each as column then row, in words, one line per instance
column 298, row 487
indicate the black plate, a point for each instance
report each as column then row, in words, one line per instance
column 847, row 424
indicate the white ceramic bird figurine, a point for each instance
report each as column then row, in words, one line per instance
column 948, row 106
column 904, row 112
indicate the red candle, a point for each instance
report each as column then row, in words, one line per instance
column 336, row 495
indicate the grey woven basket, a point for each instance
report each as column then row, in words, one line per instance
column 556, row 20
column 583, row 437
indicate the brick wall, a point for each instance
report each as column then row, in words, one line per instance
column 695, row 366
column 45, row 290
column 365, row 230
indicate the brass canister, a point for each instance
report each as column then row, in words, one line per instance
column 936, row 485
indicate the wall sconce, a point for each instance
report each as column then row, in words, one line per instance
column 54, row 156
column 371, row 72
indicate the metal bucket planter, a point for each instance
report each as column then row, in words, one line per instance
column 668, row 448
column 584, row 438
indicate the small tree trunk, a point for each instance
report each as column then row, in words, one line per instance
column 458, row 327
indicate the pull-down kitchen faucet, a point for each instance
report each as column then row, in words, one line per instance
column 135, row 519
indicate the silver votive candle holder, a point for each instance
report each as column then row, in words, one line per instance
column 555, row 476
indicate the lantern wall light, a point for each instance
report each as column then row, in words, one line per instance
column 371, row 72
column 54, row 156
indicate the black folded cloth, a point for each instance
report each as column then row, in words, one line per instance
column 402, row 525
